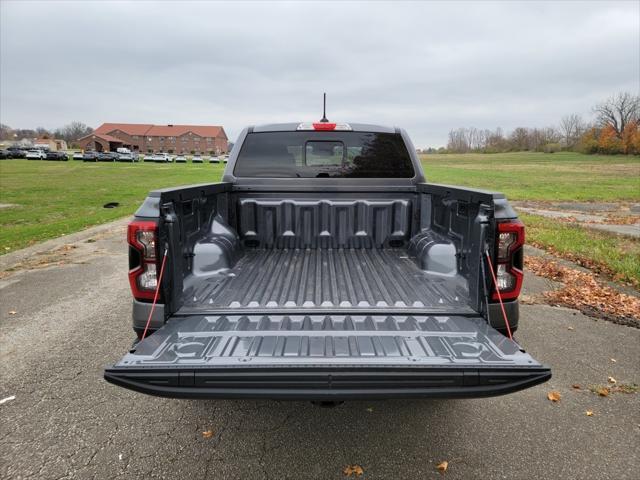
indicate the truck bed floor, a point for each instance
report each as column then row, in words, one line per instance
column 326, row 278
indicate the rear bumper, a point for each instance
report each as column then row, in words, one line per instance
column 311, row 383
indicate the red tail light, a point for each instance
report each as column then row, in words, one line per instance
column 509, row 259
column 143, row 256
column 324, row 126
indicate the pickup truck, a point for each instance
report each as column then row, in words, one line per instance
column 325, row 267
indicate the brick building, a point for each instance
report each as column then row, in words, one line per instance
column 147, row 138
column 49, row 143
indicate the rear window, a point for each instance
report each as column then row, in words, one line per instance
column 324, row 154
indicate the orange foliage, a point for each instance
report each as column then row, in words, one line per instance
column 631, row 138
column 608, row 141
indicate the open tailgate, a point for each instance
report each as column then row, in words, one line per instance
column 326, row 357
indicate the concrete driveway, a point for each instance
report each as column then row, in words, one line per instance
column 71, row 318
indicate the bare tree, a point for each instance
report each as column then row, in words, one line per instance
column 519, row 139
column 42, row 132
column 73, row 131
column 6, row 132
column 618, row 111
column 571, row 128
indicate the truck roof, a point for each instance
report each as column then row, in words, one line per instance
column 293, row 126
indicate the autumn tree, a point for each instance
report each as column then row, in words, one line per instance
column 631, row 138
column 608, row 141
column 618, row 111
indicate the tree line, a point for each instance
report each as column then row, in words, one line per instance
column 614, row 129
column 70, row 133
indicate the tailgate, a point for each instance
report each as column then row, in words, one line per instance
column 327, row 357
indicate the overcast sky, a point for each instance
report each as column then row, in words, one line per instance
column 425, row 66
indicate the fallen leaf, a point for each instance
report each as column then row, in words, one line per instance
column 12, row 312
column 350, row 470
column 207, row 434
column 583, row 290
column 626, row 388
column 442, row 466
column 613, row 360
column 603, row 391
column 576, row 386
column 611, row 380
column 569, row 328
column 554, row 396
column 589, row 413
column 370, row 409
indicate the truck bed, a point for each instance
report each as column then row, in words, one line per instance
column 326, row 279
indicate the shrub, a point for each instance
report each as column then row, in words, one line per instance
column 552, row 148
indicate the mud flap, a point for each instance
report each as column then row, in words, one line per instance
column 327, row 357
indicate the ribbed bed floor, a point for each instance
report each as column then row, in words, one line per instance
column 327, row 278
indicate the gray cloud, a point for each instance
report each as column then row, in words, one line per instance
column 426, row 66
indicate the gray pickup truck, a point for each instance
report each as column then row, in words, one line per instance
column 324, row 267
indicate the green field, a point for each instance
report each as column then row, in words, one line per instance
column 55, row 198
column 50, row 199
column 565, row 176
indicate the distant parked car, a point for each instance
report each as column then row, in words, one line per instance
column 127, row 157
column 214, row 159
column 108, row 156
column 180, row 159
column 162, row 158
column 4, row 154
column 225, row 158
column 148, row 157
column 78, row 155
column 36, row 155
column 197, row 159
column 54, row 155
column 90, row 156
column 16, row 152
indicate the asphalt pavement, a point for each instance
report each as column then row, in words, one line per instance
column 65, row 314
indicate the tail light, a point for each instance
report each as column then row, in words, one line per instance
column 325, row 126
column 143, row 255
column 509, row 259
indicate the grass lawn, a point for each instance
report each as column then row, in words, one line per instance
column 615, row 256
column 565, row 176
column 55, row 198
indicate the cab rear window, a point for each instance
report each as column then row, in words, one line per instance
column 324, row 154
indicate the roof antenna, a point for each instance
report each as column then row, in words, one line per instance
column 324, row 109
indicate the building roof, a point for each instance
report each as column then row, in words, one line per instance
column 177, row 130
column 143, row 129
column 103, row 136
column 128, row 128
